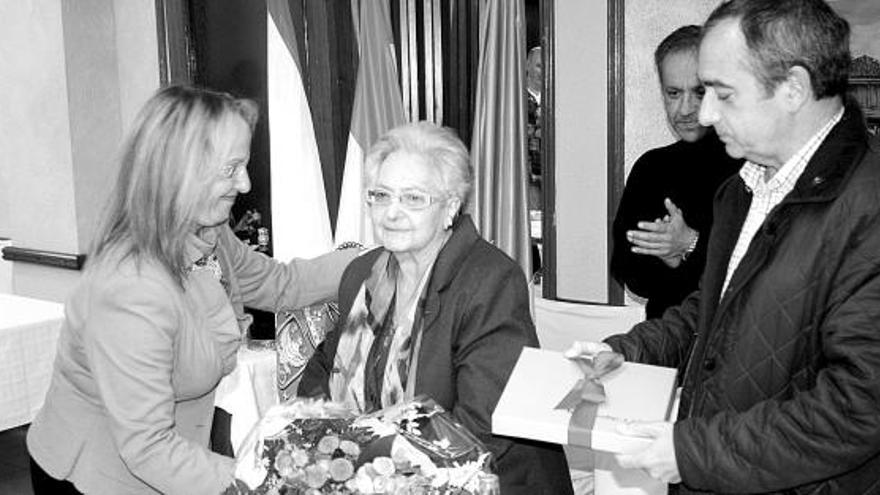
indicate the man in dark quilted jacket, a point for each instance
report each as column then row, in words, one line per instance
column 780, row 346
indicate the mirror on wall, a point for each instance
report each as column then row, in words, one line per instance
column 578, row 177
column 534, row 133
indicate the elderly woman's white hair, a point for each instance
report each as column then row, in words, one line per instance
column 440, row 146
column 164, row 169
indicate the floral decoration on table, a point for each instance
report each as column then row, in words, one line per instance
column 312, row 447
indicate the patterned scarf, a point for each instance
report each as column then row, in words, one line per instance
column 375, row 353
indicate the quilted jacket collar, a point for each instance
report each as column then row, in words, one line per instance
column 826, row 175
column 833, row 163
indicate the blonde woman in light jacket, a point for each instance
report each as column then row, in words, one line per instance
column 159, row 313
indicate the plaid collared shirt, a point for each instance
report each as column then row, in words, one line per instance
column 766, row 194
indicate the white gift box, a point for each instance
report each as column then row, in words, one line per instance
column 541, row 379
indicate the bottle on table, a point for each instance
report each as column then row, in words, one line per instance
column 488, row 484
column 263, row 240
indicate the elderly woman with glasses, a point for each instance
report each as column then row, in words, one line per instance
column 159, row 313
column 436, row 310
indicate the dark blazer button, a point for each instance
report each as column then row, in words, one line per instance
column 710, row 364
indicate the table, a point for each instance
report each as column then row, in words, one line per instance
column 29, row 331
column 250, row 390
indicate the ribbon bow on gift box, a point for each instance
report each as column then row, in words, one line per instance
column 584, row 398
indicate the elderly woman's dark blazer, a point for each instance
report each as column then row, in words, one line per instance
column 476, row 321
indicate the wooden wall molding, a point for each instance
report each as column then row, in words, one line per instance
column 616, row 98
column 548, row 148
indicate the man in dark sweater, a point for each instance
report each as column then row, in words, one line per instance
column 662, row 225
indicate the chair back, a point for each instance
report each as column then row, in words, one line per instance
column 296, row 338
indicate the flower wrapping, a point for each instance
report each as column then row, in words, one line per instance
column 312, row 447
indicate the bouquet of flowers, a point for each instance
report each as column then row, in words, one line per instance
column 313, row 447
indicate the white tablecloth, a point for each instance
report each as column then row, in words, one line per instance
column 28, row 335
column 249, row 391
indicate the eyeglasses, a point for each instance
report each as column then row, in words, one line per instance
column 231, row 169
column 411, row 200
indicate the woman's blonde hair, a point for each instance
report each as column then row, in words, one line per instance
column 440, row 146
column 164, row 168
